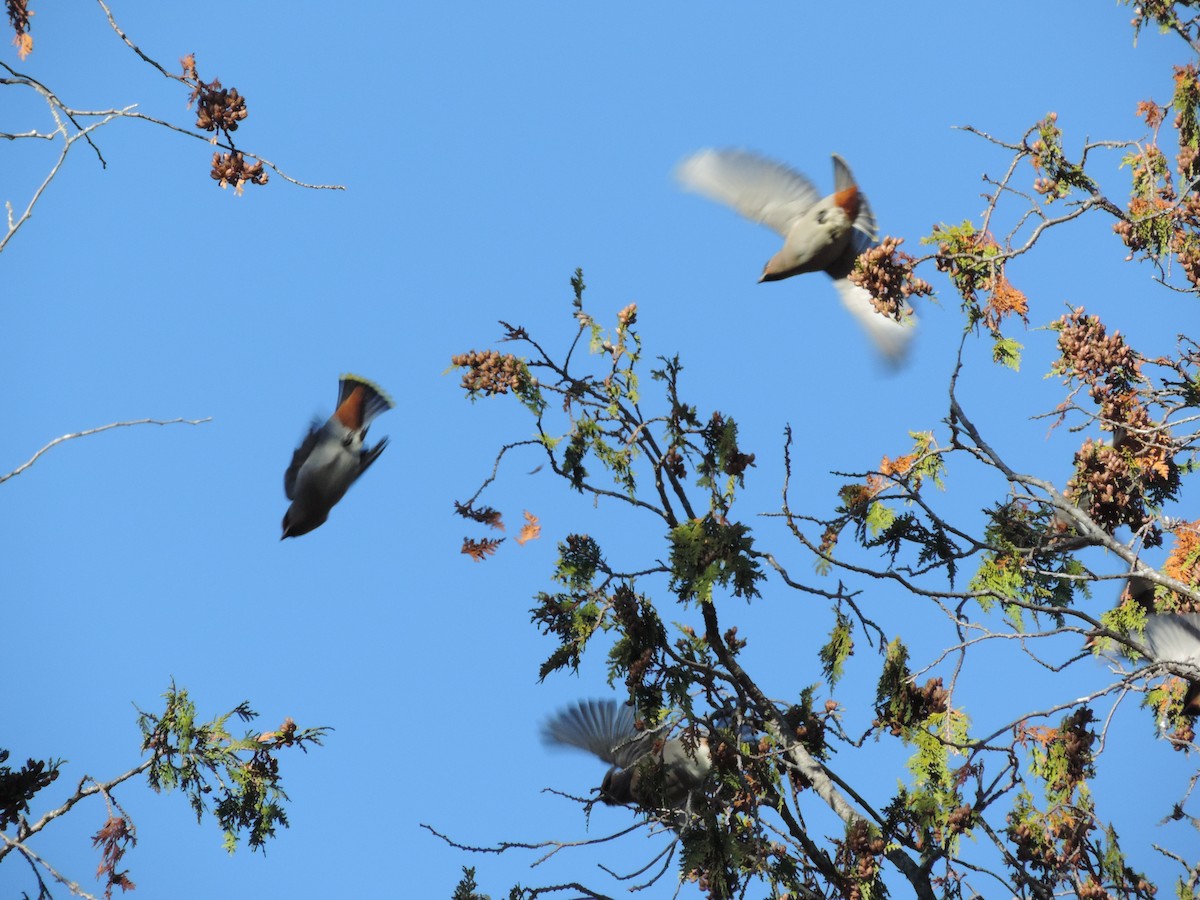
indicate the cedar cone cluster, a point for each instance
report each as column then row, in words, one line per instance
column 17, row 788
column 672, row 461
column 1076, row 741
column 231, row 168
column 1057, row 841
column 719, row 435
column 1035, row 842
column 1103, row 485
column 262, row 766
column 642, row 629
column 489, row 371
column 1142, row 210
column 1103, row 361
column 284, row 736
column 886, row 274
column 1160, row 221
column 861, row 847
column 1113, row 482
column 18, row 16
column 914, row 706
column 218, row 108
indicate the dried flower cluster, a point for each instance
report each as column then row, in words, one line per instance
column 18, row 17
column 217, row 108
column 1113, row 482
column 489, row 372
column 1103, row 362
column 886, row 273
column 231, row 168
column 1102, row 485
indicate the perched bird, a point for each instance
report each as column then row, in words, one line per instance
column 1169, row 636
column 647, row 769
column 332, row 456
column 820, row 234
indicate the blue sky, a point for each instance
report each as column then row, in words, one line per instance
column 487, row 151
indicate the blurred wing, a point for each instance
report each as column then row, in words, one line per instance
column 891, row 338
column 603, row 728
column 298, row 458
column 1174, row 637
column 760, row 189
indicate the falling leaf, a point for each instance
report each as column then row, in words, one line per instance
column 531, row 530
column 480, row 550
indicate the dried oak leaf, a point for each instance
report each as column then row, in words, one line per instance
column 531, row 530
column 480, row 550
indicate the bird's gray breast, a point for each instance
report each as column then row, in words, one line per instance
column 819, row 237
column 331, row 467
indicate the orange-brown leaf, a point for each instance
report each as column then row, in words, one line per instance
column 1037, row 734
column 1183, row 563
column 480, row 550
column 531, row 530
column 898, row 466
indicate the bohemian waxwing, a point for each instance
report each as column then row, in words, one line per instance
column 647, row 768
column 332, row 456
column 820, row 234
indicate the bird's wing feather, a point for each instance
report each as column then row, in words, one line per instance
column 890, row 337
column 604, row 728
column 369, row 456
column 1174, row 637
column 298, row 458
column 760, row 189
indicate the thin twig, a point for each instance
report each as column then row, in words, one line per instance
column 72, row 886
column 66, row 437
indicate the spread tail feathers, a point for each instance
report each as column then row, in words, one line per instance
column 360, row 401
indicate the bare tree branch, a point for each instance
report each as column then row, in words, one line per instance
column 66, row 437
